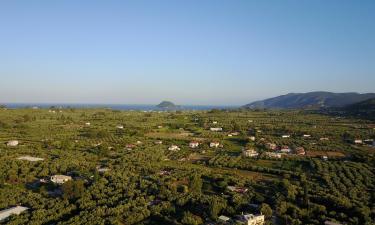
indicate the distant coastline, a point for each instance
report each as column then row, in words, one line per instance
column 142, row 107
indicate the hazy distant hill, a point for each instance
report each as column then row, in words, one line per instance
column 368, row 104
column 311, row 100
column 167, row 105
column 364, row 110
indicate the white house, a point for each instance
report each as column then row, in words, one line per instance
column 323, row 139
column 273, row 155
column 194, row 144
column 358, row 141
column 174, row 148
column 214, row 122
column 102, row 169
column 285, row 149
column 88, row 124
column 159, row 142
column 270, row 146
column 120, row 127
column 285, row 136
column 250, row 219
column 249, row 153
column 252, row 138
column 12, row 211
column 216, row 129
column 300, row 151
column 214, row 144
column 12, row 143
column 30, row 158
column 240, row 190
column 130, row 146
column 223, row 218
column 60, row 179
column 306, row 135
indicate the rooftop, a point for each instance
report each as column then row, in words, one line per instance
column 11, row 211
column 30, row 158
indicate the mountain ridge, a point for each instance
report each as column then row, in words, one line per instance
column 313, row 100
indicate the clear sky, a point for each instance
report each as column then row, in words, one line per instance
column 191, row 52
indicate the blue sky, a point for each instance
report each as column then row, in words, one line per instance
column 191, row 52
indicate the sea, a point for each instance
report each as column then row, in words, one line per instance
column 135, row 107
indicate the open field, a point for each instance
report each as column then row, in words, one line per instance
column 120, row 174
column 324, row 153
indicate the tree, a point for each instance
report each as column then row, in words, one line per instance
column 216, row 205
column 191, row 219
column 196, row 184
column 266, row 210
column 73, row 189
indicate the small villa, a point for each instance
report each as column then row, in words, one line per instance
column 368, row 141
column 300, row 151
column 158, row 142
column 223, row 219
column 4, row 214
column 273, row 155
column 60, row 179
column 216, row 129
column 271, row 146
column 240, row 190
column 285, row 149
column 324, row 139
column 249, row 153
column 194, row 144
column 88, row 124
column 331, row 223
column 164, row 173
column 285, row 136
column 252, row 138
column 214, row 144
column 12, row 143
column 306, row 135
column 130, row 146
column 102, row 169
column 120, row 127
column 30, row 158
column 174, row 148
column 358, row 141
column 250, row 219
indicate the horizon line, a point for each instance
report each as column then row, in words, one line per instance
column 135, row 104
